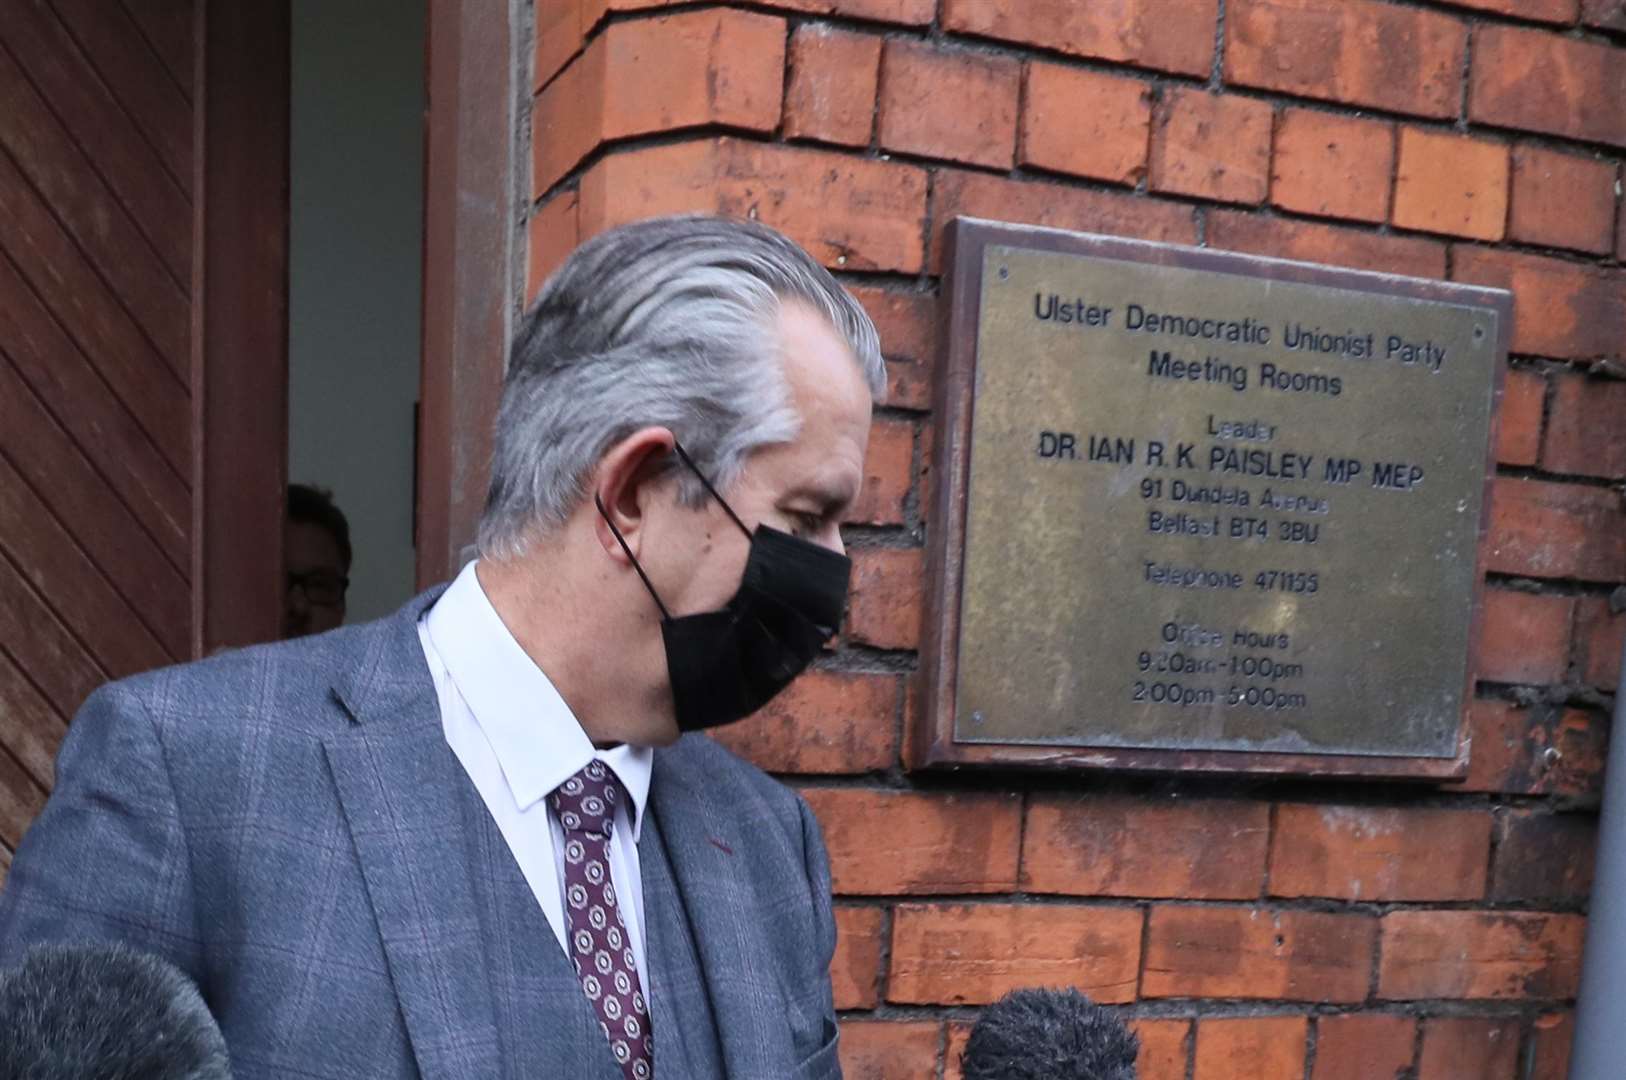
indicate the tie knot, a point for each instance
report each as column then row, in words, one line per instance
column 586, row 801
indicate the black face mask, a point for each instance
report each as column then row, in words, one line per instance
column 725, row 665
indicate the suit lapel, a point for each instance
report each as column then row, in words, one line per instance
column 702, row 840
column 397, row 781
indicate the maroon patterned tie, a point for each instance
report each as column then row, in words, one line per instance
column 598, row 935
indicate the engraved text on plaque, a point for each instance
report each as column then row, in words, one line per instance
column 1210, row 505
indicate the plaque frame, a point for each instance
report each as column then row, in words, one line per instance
column 929, row 739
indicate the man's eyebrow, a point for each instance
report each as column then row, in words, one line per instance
column 830, row 494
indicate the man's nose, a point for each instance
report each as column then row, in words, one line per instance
column 831, row 538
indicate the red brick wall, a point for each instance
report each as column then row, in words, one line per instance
column 1299, row 930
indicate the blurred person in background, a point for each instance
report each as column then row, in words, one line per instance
column 316, row 557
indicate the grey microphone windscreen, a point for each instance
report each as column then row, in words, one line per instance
column 105, row 1012
column 1045, row 1034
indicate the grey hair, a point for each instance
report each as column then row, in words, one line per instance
column 667, row 322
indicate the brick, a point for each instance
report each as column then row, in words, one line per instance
column 1460, row 1047
column 1211, row 146
column 559, row 36
column 850, row 213
column 958, row 1034
column 888, row 472
column 567, row 119
column 905, row 321
column 1558, row 11
column 1451, row 184
column 824, row 722
column 1561, row 309
column 1198, row 849
column 1169, row 35
column 1332, row 166
column 594, row 11
column 912, row 699
column 907, row 324
column 1310, row 241
column 1355, row 51
column 1542, row 529
column 926, row 486
column 1253, row 953
column 1058, row 206
column 1524, row 637
column 1542, row 857
column 950, row 104
column 909, row 386
column 1600, row 634
column 1379, row 854
column 1363, row 1046
column 1165, row 1048
column 889, row 469
column 902, row 12
column 855, row 971
column 1524, row 398
column 833, row 77
column 910, row 843
column 1540, row 81
column 883, row 608
column 1479, row 954
column 1251, row 1047
column 1562, row 200
column 1550, row 1037
column 551, row 235
column 974, row 954
column 1604, row 14
column 1086, row 123
column 715, row 66
column 890, row 1049
column 1586, row 432
column 1510, row 747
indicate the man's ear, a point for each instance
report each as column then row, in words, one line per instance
column 624, row 484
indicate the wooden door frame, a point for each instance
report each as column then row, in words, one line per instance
column 469, row 223
column 240, row 298
column 239, row 320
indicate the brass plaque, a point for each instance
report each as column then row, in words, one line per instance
column 1207, row 508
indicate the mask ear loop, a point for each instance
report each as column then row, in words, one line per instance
column 597, row 501
column 729, row 510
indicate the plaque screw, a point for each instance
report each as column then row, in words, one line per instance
column 1479, row 332
column 1551, row 756
column 977, row 717
column 1004, row 272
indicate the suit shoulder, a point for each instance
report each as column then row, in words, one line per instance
column 720, row 765
column 294, row 679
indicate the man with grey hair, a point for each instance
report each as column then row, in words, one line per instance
column 480, row 838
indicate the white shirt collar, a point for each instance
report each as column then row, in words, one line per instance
column 538, row 741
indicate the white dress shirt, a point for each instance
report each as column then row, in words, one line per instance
column 518, row 740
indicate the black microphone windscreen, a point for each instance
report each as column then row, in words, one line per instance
column 1045, row 1034
column 105, row 1012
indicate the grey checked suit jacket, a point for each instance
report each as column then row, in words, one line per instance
column 287, row 825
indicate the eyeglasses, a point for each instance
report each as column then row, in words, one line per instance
column 320, row 587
